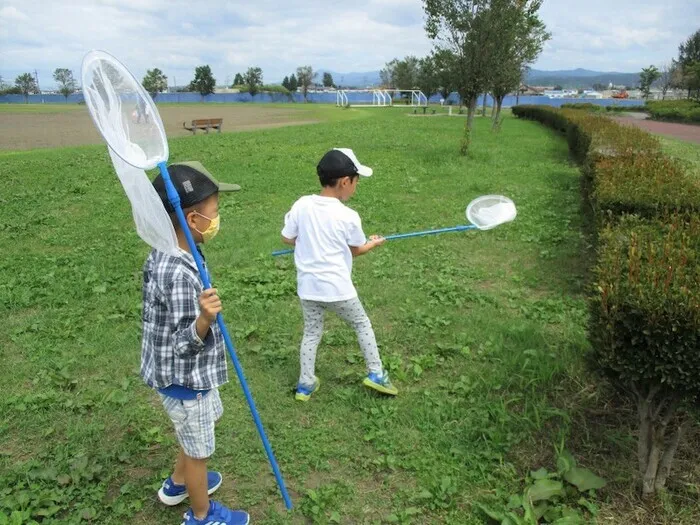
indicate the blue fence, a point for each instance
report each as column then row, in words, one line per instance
column 318, row 98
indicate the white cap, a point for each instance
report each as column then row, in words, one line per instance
column 363, row 170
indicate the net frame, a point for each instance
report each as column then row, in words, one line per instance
column 489, row 211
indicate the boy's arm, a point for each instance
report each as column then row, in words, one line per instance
column 291, row 242
column 192, row 321
column 373, row 242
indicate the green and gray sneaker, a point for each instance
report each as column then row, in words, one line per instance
column 380, row 382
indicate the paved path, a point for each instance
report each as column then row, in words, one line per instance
column 686, row 132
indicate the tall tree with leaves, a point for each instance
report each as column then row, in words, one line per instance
column 305, row 77
column 155, row 82
column 688, row 57
column 444, row 61
column 667, row 72
column 238, row 80
column 65, row 80
column 293, row 83
column 328, row 80
column 26, row 84
column 426, row 78
column 204, row 82
column 521, row 35
column 253, row 80
column 647, row 77
column 467, row 29
column 285, row 83
column 400, row 74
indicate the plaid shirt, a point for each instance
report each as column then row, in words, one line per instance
column 171, row 351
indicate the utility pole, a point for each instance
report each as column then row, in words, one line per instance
column 36, row 78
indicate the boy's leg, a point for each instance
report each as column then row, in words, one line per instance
column 178, row 476
column 313, row 331
column 196, row 481
column 352, row 312
column 194, row 422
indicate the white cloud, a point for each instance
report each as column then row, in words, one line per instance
column 12, row 13
column 178, row 35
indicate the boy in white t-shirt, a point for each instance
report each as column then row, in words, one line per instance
column 327, row 235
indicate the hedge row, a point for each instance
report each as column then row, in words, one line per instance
column 626, row 170
column 645, row 305
column 674, row 110
column 595, row 108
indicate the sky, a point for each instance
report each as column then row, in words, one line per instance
column 342, row 36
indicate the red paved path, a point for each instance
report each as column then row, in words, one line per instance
column 686, row 132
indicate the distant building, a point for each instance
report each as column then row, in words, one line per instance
column 589, row 93
column 561, row 93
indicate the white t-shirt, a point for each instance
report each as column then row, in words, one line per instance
column 324, row 229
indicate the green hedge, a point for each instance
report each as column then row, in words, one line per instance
column 586, row 106
column 645, row 308
column 674, row 110
column 645, row 314
column 626, row 169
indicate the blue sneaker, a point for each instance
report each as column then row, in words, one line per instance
column 172, row 494
column 380, row 382
column 304, row 392
column 219, row 515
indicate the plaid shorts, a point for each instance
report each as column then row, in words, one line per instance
column 194, row 422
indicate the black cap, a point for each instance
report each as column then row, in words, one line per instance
column 341, row 162
column 193, row 184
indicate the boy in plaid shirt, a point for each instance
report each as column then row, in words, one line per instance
column 183, row 354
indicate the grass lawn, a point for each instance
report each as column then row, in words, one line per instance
column 41, row 108
column 687, row 152
column 483, row 333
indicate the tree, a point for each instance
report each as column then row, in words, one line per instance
column 305, row 77
column 204, row 82
column 666, row 73
column 328, row 80
column 599, row 87
column 238, row 80
column 400, row 74
column 26, row 84
column 285, row 83
column 647, row 77
column 155, row 82
column 293, row 83
column 253, row 79
column 558, row 87
column 444, row 61
column 688, row 56
column 692, row 79
column 521, row 37
column 470, row 30
column 427, row 80
column 66, row 82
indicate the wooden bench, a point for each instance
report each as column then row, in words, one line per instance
column 424, row 108
column 204, row 123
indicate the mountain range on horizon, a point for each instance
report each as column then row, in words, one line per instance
column 567, row 78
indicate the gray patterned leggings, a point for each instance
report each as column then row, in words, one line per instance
column 350, row 311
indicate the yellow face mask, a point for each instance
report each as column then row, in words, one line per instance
column 211, row 231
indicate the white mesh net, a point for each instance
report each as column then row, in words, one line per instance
column 490, row 211
column 130, row 124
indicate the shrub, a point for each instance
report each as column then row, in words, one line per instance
column 645, row 328
column 587, row 106
column 674, row 110
column 274, row 88
column 645, row 305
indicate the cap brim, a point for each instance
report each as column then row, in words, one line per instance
column 224, row 187
column 364, row 171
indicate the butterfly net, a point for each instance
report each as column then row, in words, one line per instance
column 129, row 122
column 490, row 211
